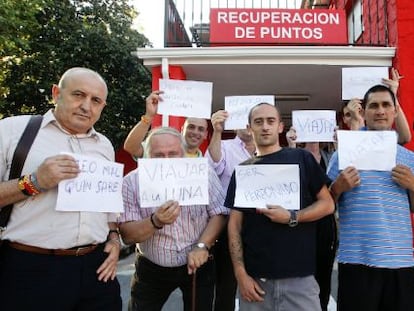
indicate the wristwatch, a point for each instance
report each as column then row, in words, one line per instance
column 202, row 246
column 293, row 221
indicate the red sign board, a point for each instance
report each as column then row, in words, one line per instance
column 277, row 26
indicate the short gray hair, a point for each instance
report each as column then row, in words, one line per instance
column 159, row 131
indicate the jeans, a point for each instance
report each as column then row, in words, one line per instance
column 290, row 294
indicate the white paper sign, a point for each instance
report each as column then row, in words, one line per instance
column 238, row 108
column 357, row 80
column 181, row 179
column 98, row 187
column 186, row 98
column 262, row 184
column 314, row 125
column 367, row 150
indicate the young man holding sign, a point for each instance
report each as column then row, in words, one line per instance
column 376, row 263
column 274, row 247
column 174, row 240
column 54, row 260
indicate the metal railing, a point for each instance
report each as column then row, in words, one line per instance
column 187, row 22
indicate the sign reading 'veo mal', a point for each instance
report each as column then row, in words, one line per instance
column 97, row 188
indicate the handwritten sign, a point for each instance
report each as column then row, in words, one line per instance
column 275, row 184
column 357, row 80
column 186, row 98
column 367, row 150
column 181, row 179
column 314, row 125
column 239, row 107
column 98, row 187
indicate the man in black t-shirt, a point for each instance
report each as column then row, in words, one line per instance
column 273, row 249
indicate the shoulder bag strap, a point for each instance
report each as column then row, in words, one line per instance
column 19, row 157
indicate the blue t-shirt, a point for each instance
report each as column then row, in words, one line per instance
column 374, row 218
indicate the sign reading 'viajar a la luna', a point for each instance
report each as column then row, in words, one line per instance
column 277, row 26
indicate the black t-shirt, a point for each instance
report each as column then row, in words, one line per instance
column 273, row 250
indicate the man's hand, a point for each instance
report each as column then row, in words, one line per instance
column 275, row 213
column 349, row 178
column 167, row 213
column 403, row 176
column 55, row 169
column 196, row 258
column 250, row 289
column 151, row 103
column 217, row 120
column 394, row 82
column 291, row 137
column 355, row 107
column 107, row 270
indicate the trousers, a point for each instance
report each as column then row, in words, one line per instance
column 290, row 294
column 48, row 282
column 226, row 284
column 152, row 284
column 326, row 245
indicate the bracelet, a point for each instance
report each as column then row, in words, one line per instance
column 153, row 222
column 35, row 182
column 146, row 119
column 113, row 231
column 26, row 186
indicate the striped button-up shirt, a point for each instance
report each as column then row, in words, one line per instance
column 170, row 245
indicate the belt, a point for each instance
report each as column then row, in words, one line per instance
column 75, row 251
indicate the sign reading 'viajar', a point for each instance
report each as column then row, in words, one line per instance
column 277, row 26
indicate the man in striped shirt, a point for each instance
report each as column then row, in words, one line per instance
column 174, row 241
column 376, row 264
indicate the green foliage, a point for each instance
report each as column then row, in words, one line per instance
column 17, row 18
column 63, row 34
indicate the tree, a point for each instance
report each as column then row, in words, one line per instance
column 17, row 19
column 94, row 34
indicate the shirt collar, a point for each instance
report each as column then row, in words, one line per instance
column 198, row 154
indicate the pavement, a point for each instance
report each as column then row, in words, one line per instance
column 126, row 269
